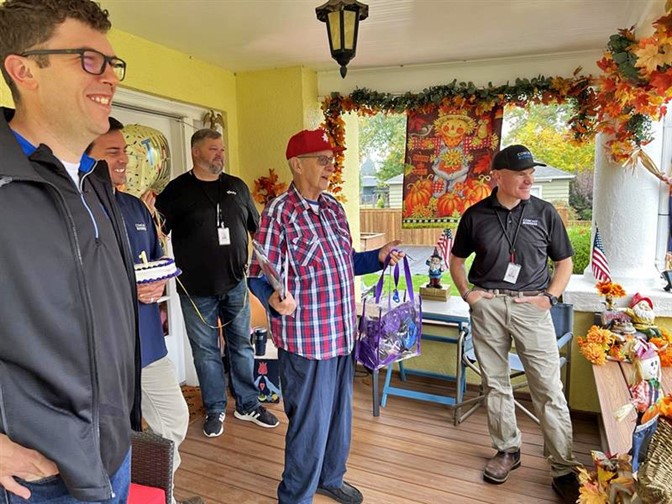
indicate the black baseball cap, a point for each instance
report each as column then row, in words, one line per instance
column 514, row 157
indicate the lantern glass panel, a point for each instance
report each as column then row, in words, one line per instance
column 349, row 20
column 334, row 23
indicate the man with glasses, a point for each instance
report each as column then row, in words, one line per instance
column 69, row 367
column 305, row 234
column 210, row 214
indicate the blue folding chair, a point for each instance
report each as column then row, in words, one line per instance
column 563, row 321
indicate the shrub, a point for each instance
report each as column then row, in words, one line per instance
column 580, row 238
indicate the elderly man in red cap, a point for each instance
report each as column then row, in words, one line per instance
column 305, row 234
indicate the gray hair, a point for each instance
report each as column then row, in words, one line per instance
column 204, row 133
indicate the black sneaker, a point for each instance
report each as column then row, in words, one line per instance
column 567, row 487
column 260, row 416
column 214, row 424
column 347, row 494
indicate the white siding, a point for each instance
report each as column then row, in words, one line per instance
column 395, row 195
column 556, row 190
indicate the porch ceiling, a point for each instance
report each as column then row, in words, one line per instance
column 243, row 35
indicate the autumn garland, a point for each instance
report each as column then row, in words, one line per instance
column 458, row 95
column 633, row 90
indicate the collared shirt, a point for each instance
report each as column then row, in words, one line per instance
column 142, row 237
column 540, row 235
column 317, row 247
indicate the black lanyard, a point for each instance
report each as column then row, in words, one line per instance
column 215, row 204
column 512, row 244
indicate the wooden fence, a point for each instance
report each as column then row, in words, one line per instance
column 388, row 221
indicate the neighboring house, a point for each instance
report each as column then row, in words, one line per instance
column 550, row 184
column 367, row 195
column 369, row 190
column 396, row 185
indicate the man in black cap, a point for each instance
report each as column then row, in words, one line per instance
column 513, row 235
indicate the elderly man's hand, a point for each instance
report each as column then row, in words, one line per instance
column 389, row 248
column 284, row 306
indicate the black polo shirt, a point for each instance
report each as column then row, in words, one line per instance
column 189, row 207
column 541, row 235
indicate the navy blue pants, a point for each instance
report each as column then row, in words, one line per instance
column 317, row 396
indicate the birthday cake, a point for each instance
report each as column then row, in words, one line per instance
column 153, row 271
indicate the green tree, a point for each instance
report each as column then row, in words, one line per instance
column 543, row 128
column 384, row 137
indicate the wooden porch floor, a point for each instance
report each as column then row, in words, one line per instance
column 412, row 453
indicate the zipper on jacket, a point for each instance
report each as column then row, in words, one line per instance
column 74, row 242
column 86, row 205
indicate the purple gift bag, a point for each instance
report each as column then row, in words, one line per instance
column 390, row 325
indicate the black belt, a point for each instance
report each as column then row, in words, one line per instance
column 512, row 293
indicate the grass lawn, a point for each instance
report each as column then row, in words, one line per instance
column 418, row 280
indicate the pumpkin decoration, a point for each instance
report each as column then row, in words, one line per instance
column 448, row 204
column 418, row 195
column 477, row 189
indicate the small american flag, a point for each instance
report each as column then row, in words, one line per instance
column 598, row 260
column 445, row 244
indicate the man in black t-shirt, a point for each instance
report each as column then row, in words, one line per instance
column 210, row 214
column 513, row 234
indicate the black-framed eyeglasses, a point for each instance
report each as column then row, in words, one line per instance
column 93, row 62
column 321, row 160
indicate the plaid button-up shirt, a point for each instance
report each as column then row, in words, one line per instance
column 317, row 249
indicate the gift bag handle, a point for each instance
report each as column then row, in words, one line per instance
column 407, row 273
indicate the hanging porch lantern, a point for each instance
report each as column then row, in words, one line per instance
column 342, row 18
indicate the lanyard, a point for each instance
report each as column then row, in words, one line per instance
column 215, row 204
column 512, row 244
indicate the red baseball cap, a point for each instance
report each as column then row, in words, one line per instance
column 309, row 141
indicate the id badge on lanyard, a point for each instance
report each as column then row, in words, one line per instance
column 512, row 272
column 223, row 233
column 513, row 268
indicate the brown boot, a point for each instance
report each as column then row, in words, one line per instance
column 498, row 467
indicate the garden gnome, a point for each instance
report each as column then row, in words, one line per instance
column 436, row 269
column 642, row 315
column 645, row 391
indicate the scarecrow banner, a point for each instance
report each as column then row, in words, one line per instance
column 448, row 154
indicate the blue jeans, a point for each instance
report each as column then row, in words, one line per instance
column 317, row 396
column 52, row 490
column 233, row 310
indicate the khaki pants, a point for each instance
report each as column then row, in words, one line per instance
column 496, row 323
column 163, row 405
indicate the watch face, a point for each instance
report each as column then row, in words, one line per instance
column 551, row 298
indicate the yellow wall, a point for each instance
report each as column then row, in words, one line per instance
column 272, row 108
column 5, row 96
column 170, row 74
column 157, row 70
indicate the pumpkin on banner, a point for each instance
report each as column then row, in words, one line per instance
column 448, row 154
column 148, row 160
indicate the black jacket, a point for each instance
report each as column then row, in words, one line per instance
column 69, row 349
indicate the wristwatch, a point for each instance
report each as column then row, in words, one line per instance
column 551, row 298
